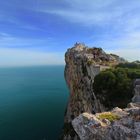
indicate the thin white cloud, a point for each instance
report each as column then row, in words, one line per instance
column 2, row 34
column 15, row 20
column 130, row 40
column 81, row 17
column 129, row 54
column 22, row 57
column 127, row 46
column 97, row 12
column 7, row 40
column 90, row 4
column 11, row 55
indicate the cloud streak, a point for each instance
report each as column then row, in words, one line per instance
column 96, row 12
column 10, row 41
column 17, row 51
column 127, row 46
column 21, row 57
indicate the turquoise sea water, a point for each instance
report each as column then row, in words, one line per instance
column 32, row 102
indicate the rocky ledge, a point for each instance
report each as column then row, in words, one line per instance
column 119, row 124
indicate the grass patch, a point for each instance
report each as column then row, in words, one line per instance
column 110, row 116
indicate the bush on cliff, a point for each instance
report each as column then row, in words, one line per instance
column 114, row 87
column 133, row 65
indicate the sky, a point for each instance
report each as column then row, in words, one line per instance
column 38, row 32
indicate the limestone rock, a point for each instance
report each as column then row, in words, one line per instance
column 136, row 97
column 123, row 127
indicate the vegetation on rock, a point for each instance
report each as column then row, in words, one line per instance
column 108, row 115
column 114, row 87
column 134, row 65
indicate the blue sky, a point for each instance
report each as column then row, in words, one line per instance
column 38, row 32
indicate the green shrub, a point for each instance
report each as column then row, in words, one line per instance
column 133, row 65
column 114, row 87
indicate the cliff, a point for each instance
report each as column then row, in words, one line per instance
column 82, row 65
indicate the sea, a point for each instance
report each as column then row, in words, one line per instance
column 33, row 101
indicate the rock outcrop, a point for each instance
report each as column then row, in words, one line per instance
column 82, row 65
column 119, row 124
column 136, row 98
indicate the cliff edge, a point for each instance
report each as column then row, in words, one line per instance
column 82, row 65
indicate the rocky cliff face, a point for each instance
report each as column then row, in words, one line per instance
column 136, row 98
column 99, row 127
column 82, row 65
column 118, row 124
